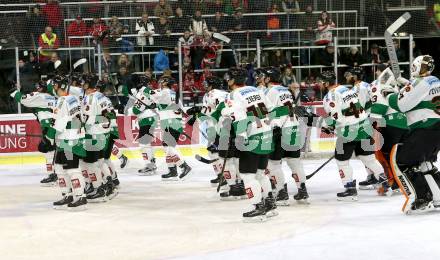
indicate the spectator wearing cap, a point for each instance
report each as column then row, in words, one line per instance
column 47, row 42
column 163, row 8
column 352, row 57
column 325, row 24
column 54, row 15
column 76, row 28
column 35, row 23
column 198, row 25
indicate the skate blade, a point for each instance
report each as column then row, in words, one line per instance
column 214, row 185
column 233, row 198
column 98, row 200
column 49, row 184
column 186, row 177
column 303, row 202
column 272, row 213
column 64, row 207
column 174, row 179
column 283, row 203
column 369, row 187
column 348, row 199
column 113, row 195
column 257, row 219
column 427, row 208
column 77, row 209
column 147, row 173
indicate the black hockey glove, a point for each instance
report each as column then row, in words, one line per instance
column 194, row 111
column 328, row 130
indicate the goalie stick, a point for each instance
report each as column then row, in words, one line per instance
column 390, row 45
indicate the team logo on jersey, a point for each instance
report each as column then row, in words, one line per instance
column 374, row 90
column 332, row 104
column 407, row 89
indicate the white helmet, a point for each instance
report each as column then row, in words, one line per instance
column 416, row 66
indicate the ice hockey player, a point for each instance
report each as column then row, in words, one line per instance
column 97, row 116
column 348, row 119
column 248, row 108
column 286, row 138
column 354, row 77
column 391, row 124
column 412, row 160
column 147, row 120
column 259, row 75
column 69, row 148
column 170, row 118
column 42, row 104
column 213, row 104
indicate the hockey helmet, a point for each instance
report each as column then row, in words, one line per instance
column 259, row 74
column 355, row 71
column 213, row 82
column 328, row 76
column 274, row 74
column 422, row 64
column 41, row 86
column 239, row 75
column 91, row 80
column 167, row 80
column 60, row 81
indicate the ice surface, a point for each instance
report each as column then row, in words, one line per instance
column 185, row 220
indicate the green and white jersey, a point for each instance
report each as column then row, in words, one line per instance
column 346, row 114
column 213, row 104
column 380, row 108
column 282, row 114
column 74, row 91
column 420, row 101
column 363, row 89
column 146, row 116
column 42, row 103
column 169, row 114
column 97, row 114
column 249, row 109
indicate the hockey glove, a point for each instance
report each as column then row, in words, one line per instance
column 328, row 130
column 194, row 111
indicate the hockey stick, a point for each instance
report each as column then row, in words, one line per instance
column 390, row 44
column 75, row 65
column 204, row 160
column 227, row 40
column 320, row 167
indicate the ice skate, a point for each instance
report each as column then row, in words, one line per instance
column 420, row 206
column 186, row 169
column 88, row 189
column 384, row 188
column 116, row 182
column 78, row 205
column 270, row 206
column 62, row 204
column 256, row 215
column 283, row 197
column 50, row 180
column 149, row 170
column 98, row 195
column 171, row 175
column 369, row 184
column 350, row 193
column 110, row 190
column 236, row 192
column 302, row 195
column 124, row 160
column 214, row 182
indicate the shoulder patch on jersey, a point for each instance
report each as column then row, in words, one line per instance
column 332, row 104
column 374, row 89
column 407, row 89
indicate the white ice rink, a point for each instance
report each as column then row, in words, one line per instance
column 185, row 220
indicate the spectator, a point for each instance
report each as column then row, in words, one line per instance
column 145, row 30
column 186, row 5
column 99, row 31
column 215, row 7
column 108, row 63
column 76, row 28
column 124, row 61
column 54, row 15
column 163, row 9
column 116, row 29
column 325, row 57
column 198, row 25
column 277, row 59
column 353, row 58
column 219, row 23
column 179, row 23
column 36, row 23
column 164, row 29
column 325, row 24
column 308, row 22
column 28, row 68
column 47, row 42
column 238, row 22
column 287, row 77
column 161, row 61
column 200, row 5
column 231, row 6
column 124, row 84
column 211, row 48
column 274, row 23
column 148, row 79
column 197, row 53
column 374, row 55
column 186, row 40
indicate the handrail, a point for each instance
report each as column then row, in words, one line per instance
column 213, row 15
column 229, row 32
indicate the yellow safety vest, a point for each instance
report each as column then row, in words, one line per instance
column 437, row 13
column 50, row 42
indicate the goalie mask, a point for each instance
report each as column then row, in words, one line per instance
column 421, row 65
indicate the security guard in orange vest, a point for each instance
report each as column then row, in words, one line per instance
column 47, row 41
